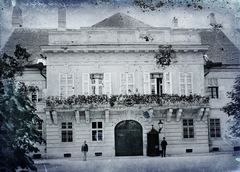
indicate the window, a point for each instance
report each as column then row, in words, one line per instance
column 38, row 126
column 97, row 131
column 35, row 90
column 213, row 88
column 157, row 83
column 126, row 83
column 185, row 81
column 66, row 85
column 96, row 83
column 215, row 128
column 67, row 132
column 188, row 128
column 36, row 96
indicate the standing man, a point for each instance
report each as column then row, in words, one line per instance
column 164, row 146
column 85, row 150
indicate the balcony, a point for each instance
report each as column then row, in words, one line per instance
column 122, row 101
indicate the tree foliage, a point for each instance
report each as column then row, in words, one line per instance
column 233, row 109
column 18, row 134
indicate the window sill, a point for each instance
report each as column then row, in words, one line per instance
column 189, row 139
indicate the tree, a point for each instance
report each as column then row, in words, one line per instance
column 18, row 134
column 232, row 109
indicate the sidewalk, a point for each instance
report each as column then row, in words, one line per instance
column 210, row 162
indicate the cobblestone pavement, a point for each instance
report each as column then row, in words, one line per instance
column 194, row 163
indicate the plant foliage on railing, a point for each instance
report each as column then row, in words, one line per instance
column 113, row 100
column 32, row 88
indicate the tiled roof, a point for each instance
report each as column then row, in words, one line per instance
column 221, row 48
column 120, row 20
column 31, row 39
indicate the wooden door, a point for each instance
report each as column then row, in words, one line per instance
column 128, row 138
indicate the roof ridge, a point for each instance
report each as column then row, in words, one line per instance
column 120, row 20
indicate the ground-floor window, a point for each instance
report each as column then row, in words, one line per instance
column 215, row 130
column 97, row 131
column 38, row 126
column 188, row 128
column 67, row 132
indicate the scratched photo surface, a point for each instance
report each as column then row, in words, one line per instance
column 147, row 85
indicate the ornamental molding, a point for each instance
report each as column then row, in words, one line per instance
column 120, row 48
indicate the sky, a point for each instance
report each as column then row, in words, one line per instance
column 85, row 13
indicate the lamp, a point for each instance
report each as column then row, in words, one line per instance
column 160, row 125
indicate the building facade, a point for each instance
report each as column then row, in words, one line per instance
column 122, row 85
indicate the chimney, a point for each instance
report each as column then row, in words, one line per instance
column 175, row 22
column 17, row 17
column 212, row 19
column 61, row 18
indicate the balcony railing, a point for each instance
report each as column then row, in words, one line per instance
column 126, row 100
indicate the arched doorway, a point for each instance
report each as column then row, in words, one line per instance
column 128, row 138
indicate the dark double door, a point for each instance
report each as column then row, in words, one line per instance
column 128, row 138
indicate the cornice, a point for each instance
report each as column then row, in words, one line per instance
column 119, row 48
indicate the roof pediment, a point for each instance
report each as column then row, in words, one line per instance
column 120, row 20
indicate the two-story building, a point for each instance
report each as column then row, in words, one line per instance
column 122, row 85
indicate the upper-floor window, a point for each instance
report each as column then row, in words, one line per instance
column 35, row 89
column 96, row 83
column 126, row 83
column 215, row 128
column 97, row 131
column 37, row 96
column 66, row 84
column 185, row 83
column 212, row 89
column 67, row 132
column 157, row 83
column 188, row 128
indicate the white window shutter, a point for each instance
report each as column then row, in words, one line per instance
column 130, row 83
column 85, row 83
column 62, row 85
column 123, row 83
column 189, row 83
column 107, row 83
column 146, row 83
column 168, row 82
column 70, row 84
column 182, row 83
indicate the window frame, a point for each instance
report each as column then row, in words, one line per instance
column 188, row 128
column 214, row 128
column 64, row 83
column 212, row 83
column 98, row 84
column 213, row 94
column 39, row 127
column 87, row 84
column 185, row 83
column 164, row 82
column 67, row 132
column 97, row 130
column 127, row 84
